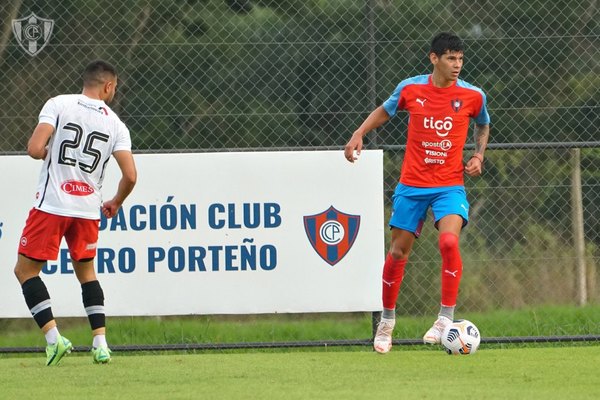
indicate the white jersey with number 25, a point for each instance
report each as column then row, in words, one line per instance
column 86, row 133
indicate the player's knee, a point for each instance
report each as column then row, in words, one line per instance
column 448, row 241
column 20, row 274
column 398, row 253
column 23, row 274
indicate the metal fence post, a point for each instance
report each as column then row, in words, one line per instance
column 578, row 234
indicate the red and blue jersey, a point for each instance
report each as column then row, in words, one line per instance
column 437, row 128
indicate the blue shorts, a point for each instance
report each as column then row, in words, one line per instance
column 410, row 205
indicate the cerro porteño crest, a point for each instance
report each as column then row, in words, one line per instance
column 332, row 233
column 32, row 33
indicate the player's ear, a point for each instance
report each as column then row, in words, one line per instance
column 108, row 86
column 433, row 58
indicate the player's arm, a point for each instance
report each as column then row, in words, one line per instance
column 378, row 117
column 128, row 179
column 36, row 147
column 474, row 166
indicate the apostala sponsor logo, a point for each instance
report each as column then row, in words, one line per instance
column 444, row 145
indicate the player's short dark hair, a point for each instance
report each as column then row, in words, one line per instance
column 98, row 71
column 444, row 42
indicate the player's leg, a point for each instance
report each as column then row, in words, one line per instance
column 406, row 221
column 39, row 242
column 81, row 238
column 93, row 302
column 393, row 274
column 393, row 269
column 452, row 210
column 451, row 274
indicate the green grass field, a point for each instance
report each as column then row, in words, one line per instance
column 541, row 321
column 509, row 371
column 566, row 372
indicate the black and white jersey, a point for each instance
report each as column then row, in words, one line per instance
column 86, row 133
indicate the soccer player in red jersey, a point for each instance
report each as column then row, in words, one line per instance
column 75, row 137
column 440, row 107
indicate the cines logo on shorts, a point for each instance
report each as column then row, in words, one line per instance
column 76, row 188
column 332, row 233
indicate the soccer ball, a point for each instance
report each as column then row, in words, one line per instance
column 461, row 337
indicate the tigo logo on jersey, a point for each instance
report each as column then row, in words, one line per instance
column 442, row 127
column 332, row 233
column 76, row 188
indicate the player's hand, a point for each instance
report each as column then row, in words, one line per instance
column 354, row 147
column 110, row 208
column 474, row 166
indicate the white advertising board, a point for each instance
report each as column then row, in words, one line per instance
column 219, row 233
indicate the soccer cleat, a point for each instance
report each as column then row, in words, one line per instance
column 434, row 334
column 101, row 355
column 383, row 338
column 55, row 352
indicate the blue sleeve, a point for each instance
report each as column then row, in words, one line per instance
column 483, row 118
column 391, row 104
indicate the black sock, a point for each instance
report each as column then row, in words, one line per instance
column 38, row 300
column 93, row 301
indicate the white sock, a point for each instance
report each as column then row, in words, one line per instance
column 52, row 335
column 99, row 340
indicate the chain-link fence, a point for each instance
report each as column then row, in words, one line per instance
column 213, row 75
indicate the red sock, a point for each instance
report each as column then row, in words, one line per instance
column 451, row 268
column 393, row 272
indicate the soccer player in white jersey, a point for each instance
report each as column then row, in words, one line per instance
column 76, row 135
